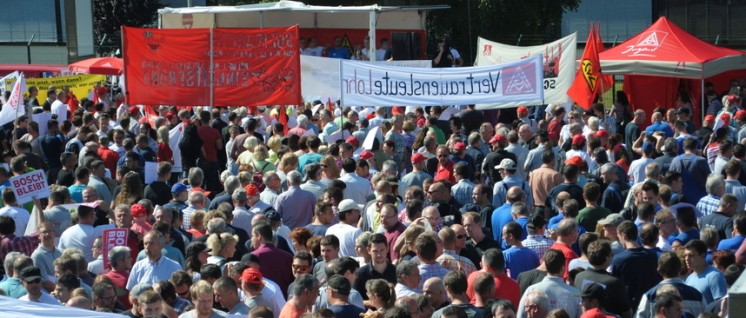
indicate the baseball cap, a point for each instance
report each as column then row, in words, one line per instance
column 575, row 161
column 251, row 190
column 365, row 155
column 30, row 274
column 418, row 157
column 339, row 284
column 522, row 110
column 138, row 211
column 612, row 219
column 178, row 188
column 647, row 147
column 578, row 140
column 349, row 204
column 469, row 207
column 134, row 110
column 272, row 215
column 536, row 222
column 602, row 134
column 710, row 118
column 725, row 117
column 252, row 276
column 139, row 289
column 459, row 146
column 506, row 163
column 733, row 97
column 741, row 114
column 593, row 290
column 353, row 141
column 498, row 138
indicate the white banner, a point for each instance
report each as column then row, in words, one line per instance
column 14, row 107
column 382, row 85
column 558, row 65
column 320, row 75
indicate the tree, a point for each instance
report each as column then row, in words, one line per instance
column 110, row 15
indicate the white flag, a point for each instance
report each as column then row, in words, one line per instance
column 14, row 107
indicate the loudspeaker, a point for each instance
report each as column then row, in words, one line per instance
column 405, row 46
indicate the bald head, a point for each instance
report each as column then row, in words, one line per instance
column 515, row 194
column 258, row 217
column 79, row 302
column 434, row 284
column 657, row 116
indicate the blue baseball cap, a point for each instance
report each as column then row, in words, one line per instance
column 178, row 188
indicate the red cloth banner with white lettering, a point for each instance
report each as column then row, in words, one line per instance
column 29, row 186
column 111, row 239
column 250, row 67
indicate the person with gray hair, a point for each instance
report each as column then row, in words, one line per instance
column 313, row 182
column 537, row 305
column 12, row 286
column 241, row 215
column 715, row 187
column 120, row 261
column 723, row 218
column 670, row 151
column 613, row 196
column 295, row 205
column 302, row 128
column 273, row 185
column 155, row 267
column 230, row 183
column 304, row 295
column 216, row 226
column 407, row 279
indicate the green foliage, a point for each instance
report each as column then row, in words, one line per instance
column 110, row 15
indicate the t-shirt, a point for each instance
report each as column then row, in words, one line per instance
column 209, row 137
column 588, row 217
column 347, row 310
column 158, row 192
column 636, row 267
column 519, row 260
column 471, row 311
column 290, row 311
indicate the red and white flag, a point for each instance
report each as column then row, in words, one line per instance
column 589, row 82
column 14, row 107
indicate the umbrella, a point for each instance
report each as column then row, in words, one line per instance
column 99, row 65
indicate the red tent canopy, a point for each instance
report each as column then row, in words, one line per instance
column 664, row 49
column 99, row 65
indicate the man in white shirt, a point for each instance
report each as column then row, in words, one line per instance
column 31, row 280
column 358, row 188
column 19, row 215
column 346, row 230
column 59, row 107
column 81, row 235
column 241, row 216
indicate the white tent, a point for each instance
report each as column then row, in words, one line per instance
column 286, row 13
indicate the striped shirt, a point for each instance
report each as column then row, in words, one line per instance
column 537, row 243
column 708, row 204
column 461, row 191
column 430, row 271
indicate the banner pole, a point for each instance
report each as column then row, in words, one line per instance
column 212, row 67
column 20, row 80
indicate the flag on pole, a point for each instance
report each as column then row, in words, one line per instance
column 14, row 106
column 589, row 82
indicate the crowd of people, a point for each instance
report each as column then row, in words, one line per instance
column 324, row 211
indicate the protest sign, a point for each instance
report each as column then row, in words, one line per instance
column 366, row 84
column 112, row 238
column 558, row 65
column 42, row 119
column 29, row 186
column 320, row 75
column 80, row 85
column 151, row 172
column 13, row 107
column 217, row 67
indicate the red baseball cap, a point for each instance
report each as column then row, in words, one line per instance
column 733, row 98
column 575, row 161
column 134, row 110
column 418, row 157
column 725, row 117
column 365, row 155
column 252, row 276
column 251, row 190
column 353, row 141
column 498, row 138
column 602, row 134
column 459, row 146
column 710, row 118
column 578, row 140
column 522, row 110
column 138, row 211
column 741, row 114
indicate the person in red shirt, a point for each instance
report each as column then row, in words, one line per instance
column 555, row 125
column 567, row 232
column 120, row 262
column 493, row 263
column 211, row 144
column 110, row 157
column 164, row 149
column 444, row 170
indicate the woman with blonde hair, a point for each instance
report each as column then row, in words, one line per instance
column 246, row 157
column 275, row 145
column 164, row 149
column 289, row 162
column 260, row 162
column 329, row 169
column 131, row 190
column 407, row 248
column 222, row 246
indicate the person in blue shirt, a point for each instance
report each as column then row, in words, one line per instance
column 705, row 278
column 518, row 259
column 659, row 125
column 339, row 51
column 686, row 221
column 739, row 228
column 504, row 214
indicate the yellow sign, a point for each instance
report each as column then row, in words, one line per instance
column 80, row 85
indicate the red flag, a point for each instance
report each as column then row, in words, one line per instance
column 282, row 115
column 607, row 80
column 330, row 106
column 588, row 79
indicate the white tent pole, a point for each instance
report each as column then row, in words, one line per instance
column 702, row 105
column 372, row 34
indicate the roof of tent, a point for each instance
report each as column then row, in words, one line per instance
column 277, row 14
column 664, row 49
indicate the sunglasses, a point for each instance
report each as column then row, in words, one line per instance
column 300, row 267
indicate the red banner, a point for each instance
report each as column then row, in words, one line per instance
column 111, row 239
column 250, row 67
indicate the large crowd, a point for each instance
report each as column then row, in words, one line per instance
column 326, row 211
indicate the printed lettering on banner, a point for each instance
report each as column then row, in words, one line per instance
column 29, row 186
column 112, row 239
column 647, row 45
